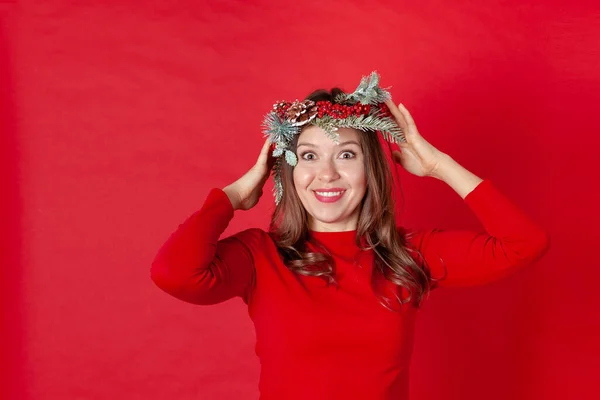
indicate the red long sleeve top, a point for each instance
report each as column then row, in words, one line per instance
column 319, row 341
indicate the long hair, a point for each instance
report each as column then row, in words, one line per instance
column 376, row 225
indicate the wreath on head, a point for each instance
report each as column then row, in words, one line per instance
column 364, row 109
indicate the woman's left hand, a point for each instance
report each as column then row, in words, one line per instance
column 417, row 155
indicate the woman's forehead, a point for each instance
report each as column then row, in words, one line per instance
column 315, row 136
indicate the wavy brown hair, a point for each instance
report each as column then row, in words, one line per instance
column 376, row 224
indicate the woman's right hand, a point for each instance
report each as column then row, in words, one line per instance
column 246, row 191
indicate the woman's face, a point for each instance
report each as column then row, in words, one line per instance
column 330, row 178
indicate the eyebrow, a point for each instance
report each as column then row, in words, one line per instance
column 340, row 144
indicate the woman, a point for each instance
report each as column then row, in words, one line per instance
column 334, row 285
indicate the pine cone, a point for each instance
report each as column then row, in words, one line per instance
column 301, row 113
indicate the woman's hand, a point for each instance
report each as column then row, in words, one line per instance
column 417, row 155
column 246, row 191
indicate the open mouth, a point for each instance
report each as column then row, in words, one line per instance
column 329, row 197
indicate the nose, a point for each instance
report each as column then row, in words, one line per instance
column 327, row 171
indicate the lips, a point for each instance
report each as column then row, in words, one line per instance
column 329, row 195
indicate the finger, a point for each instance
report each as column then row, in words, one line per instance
column 263, row 157
column 271, row 160
column 409, row 119
column 397, row 114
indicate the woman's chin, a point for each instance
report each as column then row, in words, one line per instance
column 329, row 218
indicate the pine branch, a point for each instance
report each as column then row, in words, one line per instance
column 367, row 92
column 278, row 130
column 278, row 187
column 374, row 122
column 329, row 125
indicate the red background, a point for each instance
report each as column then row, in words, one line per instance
column 117, row 118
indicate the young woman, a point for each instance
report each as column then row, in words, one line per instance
column 334, row 286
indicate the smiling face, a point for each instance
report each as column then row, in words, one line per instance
column 330, row 178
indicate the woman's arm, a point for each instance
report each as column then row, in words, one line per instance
column 456, row 176
column 511, row 240
column 460, row 257
column 193, row 265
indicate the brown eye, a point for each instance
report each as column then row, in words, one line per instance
column 307, row 156
column 348, row 155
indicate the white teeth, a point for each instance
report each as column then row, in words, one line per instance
column 329, row 194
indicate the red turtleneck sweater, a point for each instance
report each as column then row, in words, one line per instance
column 335, row 342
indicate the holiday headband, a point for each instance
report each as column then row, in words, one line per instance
column 364, row 109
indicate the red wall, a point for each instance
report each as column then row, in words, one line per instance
column 117, row 118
